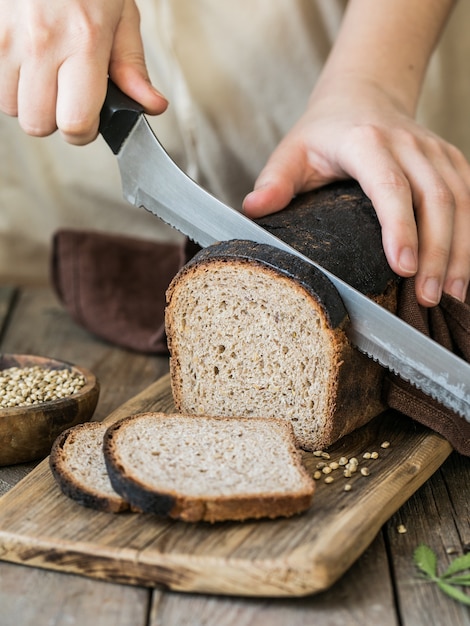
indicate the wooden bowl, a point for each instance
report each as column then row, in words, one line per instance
column 28, row 432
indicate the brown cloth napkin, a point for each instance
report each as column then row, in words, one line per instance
column 448, row 324
column 114, row 286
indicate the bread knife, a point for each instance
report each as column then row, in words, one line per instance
column 152, row 180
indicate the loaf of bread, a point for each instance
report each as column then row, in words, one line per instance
column 77, row 464
column 207, row 469
column 257, row 332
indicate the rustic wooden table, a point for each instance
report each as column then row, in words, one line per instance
column 382, row 587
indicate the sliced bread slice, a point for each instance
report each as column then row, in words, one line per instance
column 77, row 464
column 198, row 468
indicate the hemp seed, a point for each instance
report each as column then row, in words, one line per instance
column 26, row 386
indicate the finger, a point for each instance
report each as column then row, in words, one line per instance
column 9, row 68
column 83, row 75
column 434, row 215
column 458, row 269
column 9, row 77
column 433, row 182
column 82, row 87
column 273, row 191
column 127, row 65
column 37, row 93
column 284, row 175
column 384, row 182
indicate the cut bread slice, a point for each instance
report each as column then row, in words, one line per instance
column 256, row 332
column 77, row 464
column 198, row 468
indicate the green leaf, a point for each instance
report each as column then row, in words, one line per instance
column 425, row 559
column 454, row 592
column 464, row 581
column 459, row 564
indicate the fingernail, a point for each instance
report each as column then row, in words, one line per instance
column 457, row 289
column 432, row 290
column 407, row 261
column 157, row 92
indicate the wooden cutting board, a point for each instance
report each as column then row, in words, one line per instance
column 41, row 527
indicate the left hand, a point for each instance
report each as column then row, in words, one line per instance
column 418, row 183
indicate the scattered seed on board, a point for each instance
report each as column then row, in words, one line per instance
column 24, row 386
column 349, row 466
column 401, row 529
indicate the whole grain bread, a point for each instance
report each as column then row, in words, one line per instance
column 257, row 332
column 77, row 464
column 207, row 469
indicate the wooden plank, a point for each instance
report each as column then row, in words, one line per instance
column 364, row 595
column 291, row 557
column 437, row 515
column 456, row 476
column 31, row 597
column 10, row 475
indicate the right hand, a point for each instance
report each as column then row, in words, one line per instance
column 55, row 57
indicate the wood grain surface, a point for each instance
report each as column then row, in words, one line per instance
column 287, row 557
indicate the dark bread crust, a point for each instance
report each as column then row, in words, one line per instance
column 59, row 467
column 337, row 227
column 281, row 262
column 198, row 509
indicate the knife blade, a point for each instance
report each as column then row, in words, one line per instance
column 152, row 180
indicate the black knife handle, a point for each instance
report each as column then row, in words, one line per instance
column 118, row 116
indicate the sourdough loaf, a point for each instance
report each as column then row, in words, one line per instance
column 77, row 464
column 207, row 469
column 257, row 332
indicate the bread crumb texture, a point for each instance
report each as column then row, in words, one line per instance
column 209, row 457
column 247, row 340
column 83, row 451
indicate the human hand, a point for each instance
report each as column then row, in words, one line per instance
column 55, row 57
column 418, row 183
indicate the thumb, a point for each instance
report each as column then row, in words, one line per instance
column 127, row 67
column 284, row 175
